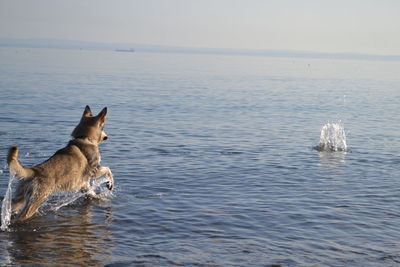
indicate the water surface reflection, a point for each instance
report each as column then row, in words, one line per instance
column 73, row 237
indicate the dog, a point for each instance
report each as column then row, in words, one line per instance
column 69, row 169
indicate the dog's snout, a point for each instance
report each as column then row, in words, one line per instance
column 105, row 138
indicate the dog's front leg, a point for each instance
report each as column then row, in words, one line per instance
column 107, row 172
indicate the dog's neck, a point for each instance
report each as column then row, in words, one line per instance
column 86, row 140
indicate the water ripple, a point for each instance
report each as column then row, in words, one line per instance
column 213, row 162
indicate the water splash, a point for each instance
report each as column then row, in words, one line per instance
column 59, row 200
column 6, row 205
column 55, row 202
column 332, row 138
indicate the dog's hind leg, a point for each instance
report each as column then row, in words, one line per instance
column 17, row 205
column 31, row 206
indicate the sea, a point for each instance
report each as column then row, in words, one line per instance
column 215, row 159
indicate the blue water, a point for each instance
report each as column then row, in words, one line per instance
column 213, row 159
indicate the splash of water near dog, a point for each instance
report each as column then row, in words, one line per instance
column 6, row 205
column 54, row 202
column 59, row 200
column 332, row 138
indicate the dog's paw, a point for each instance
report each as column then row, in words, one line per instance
column 110, row 185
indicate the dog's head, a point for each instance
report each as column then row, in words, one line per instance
column 91, row 126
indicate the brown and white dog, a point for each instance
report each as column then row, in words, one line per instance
column 69, row 169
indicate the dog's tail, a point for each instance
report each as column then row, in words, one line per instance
column 16, row 167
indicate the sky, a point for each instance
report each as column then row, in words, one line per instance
column 330, row 26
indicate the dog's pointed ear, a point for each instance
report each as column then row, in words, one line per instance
column 87, row 112
column 102, row 114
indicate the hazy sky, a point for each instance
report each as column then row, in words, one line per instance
column 360, row 26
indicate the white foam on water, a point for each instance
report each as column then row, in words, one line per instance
column 6, row 205
column 332, row 138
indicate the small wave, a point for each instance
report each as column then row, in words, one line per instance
column 172, row 151
column 160, row 151
column 229, row 152
column 155, row 195
column 391, row 258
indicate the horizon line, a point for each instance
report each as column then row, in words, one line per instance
column 154, row 48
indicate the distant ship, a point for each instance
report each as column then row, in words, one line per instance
column 125, row 50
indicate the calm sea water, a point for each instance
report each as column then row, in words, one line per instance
column 213, row 159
